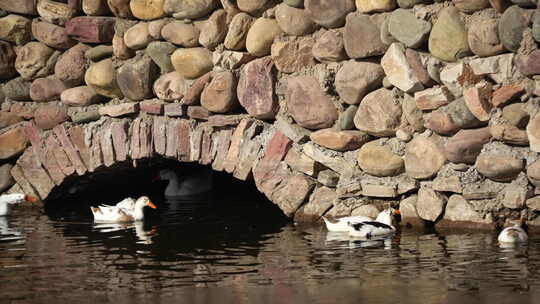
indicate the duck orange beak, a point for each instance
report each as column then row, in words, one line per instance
column 151, row 205
column 397, row 211
column 31, row 199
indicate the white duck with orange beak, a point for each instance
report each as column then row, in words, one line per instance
column 122, row 212
column 7, row 200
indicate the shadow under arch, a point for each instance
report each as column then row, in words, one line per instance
column 230, row 197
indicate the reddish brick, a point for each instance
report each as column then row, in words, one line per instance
column 91, row 29
column 206, row 147
column 77, row 137
column 256, row 88
column 184, row 140
column 70, row 149
column 506, row 93
column 477, row 98
column 274, row 153
column 300, row 162
column 466, row 145
column 441, row 123
column 193, row 93
column 21, row 180
column 33, row 134
column 159, row 131
column 432, row 98
column 59, row 156
column 96, row 157
column 292, row 193
column 320, row 201
column 223, row 143
column 236, row 142
column 277, row 148
column 146, row 139
column 246, row 160
column 171, row 131
column 195, row 144
column 226, row 120
column 135, row 139
column 175, row 110
column 270, row 182
column 418, row 69
column 119, row 130
column 35, row 174
column 152, row 107
column 198, row 112
column 106, row 144
column 51, row 164
column 119, row 109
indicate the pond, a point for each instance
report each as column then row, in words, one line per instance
column 244, row 252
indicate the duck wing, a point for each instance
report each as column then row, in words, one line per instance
column 342, row 223
column 111, row 214
column 127, row 203
column 370, row 229
column 356, row 219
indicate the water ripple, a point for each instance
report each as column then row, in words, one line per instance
column 184, row 248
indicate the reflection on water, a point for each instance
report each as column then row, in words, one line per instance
column 206, row 253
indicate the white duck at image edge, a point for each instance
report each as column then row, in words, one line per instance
column 514, row 234
column 382, row 226
column 124, row 211
column 342, row 224
column 7, row 200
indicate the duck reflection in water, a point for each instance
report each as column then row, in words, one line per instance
column 8, row 233
column 144, row 234
column 344, row 240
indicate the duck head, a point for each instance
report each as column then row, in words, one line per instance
column 387, row 216
column 166, row 174
column 140, row 203
column 520, row 223
column 144, row 201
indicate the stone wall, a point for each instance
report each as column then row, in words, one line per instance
column 332, row 107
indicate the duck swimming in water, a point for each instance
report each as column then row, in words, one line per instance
column 514, row 234
column 7, row 200
column 382, row 226
column 187, row 186
column 124, row 211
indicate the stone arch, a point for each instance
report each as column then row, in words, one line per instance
column 247, row 148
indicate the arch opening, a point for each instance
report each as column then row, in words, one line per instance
column 229, row 197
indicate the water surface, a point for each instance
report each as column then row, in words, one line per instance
column 242, row 253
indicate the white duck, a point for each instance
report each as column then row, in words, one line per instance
column 124, row 211
column 382, row 226
column 193, row 184
column 514, row 234
column 342, row 224
column 6, row 200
